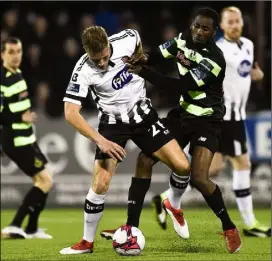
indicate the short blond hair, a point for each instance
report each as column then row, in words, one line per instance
column 230, row 9
column 94, row 39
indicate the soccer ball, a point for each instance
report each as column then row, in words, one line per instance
column 128, row 241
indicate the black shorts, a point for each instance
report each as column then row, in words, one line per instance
column 198, row 132
column 149, row 135
column 233, row 138
column 28, row 158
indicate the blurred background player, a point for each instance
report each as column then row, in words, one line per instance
column 19, row 142
column 125, row 113
column 240, row 71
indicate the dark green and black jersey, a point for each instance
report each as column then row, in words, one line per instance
column 202, row 71
column 14, row 102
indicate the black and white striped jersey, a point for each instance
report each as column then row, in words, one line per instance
column 120, row 96
column 239, row 61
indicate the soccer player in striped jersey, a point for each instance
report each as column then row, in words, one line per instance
column 198, row 117
column 19, row 142
column 124, row 113
column 240, row 71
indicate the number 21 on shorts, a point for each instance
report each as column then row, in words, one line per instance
column 157, row 127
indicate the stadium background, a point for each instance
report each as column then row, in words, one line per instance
column 51, row 32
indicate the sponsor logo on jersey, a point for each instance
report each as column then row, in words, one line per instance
column 121, row 79
column 244, row 68
column 202, row 139
column 38, row 163
column 198, row 73
column 73, row 87
column 166, row 45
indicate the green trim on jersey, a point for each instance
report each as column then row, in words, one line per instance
column 182, row 69
column 197, row 95
column 165, row 53
column 14, row 89
column 21, row 126
column 23, row 141
column 20, row 106
column 194, row 109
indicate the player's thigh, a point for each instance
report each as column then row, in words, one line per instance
column 179, row 129
column 233, row 138
column 200, row 163
column 173, row 156
column 29, row 158
column 217, row 164
column 157, row 141
column 118, row 133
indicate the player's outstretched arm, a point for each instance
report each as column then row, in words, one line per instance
column 73, row 116
column 156, row 78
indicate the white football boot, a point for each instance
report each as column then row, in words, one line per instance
column 180, row 224
column 13, row 233
column 39, row 234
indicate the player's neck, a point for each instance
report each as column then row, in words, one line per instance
column 231, row 39
column 13, row 70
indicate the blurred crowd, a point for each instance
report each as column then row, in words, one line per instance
column 51, row 37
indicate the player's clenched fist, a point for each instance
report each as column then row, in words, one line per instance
column 138, row 59
column 134, row 68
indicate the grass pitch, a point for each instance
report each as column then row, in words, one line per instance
column 66, row 225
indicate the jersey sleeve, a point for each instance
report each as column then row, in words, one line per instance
column 134, row 33
column 78, row 86
column 6, row 116
column 208, row 69
column 133, row 40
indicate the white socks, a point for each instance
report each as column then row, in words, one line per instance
column 241, row 187
column 94, row 206
column 177, row 186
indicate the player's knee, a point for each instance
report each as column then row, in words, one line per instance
column 199, row 180
column 182, row 167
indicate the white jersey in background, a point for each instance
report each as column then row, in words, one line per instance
column 120, row 96
column 239, row 62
